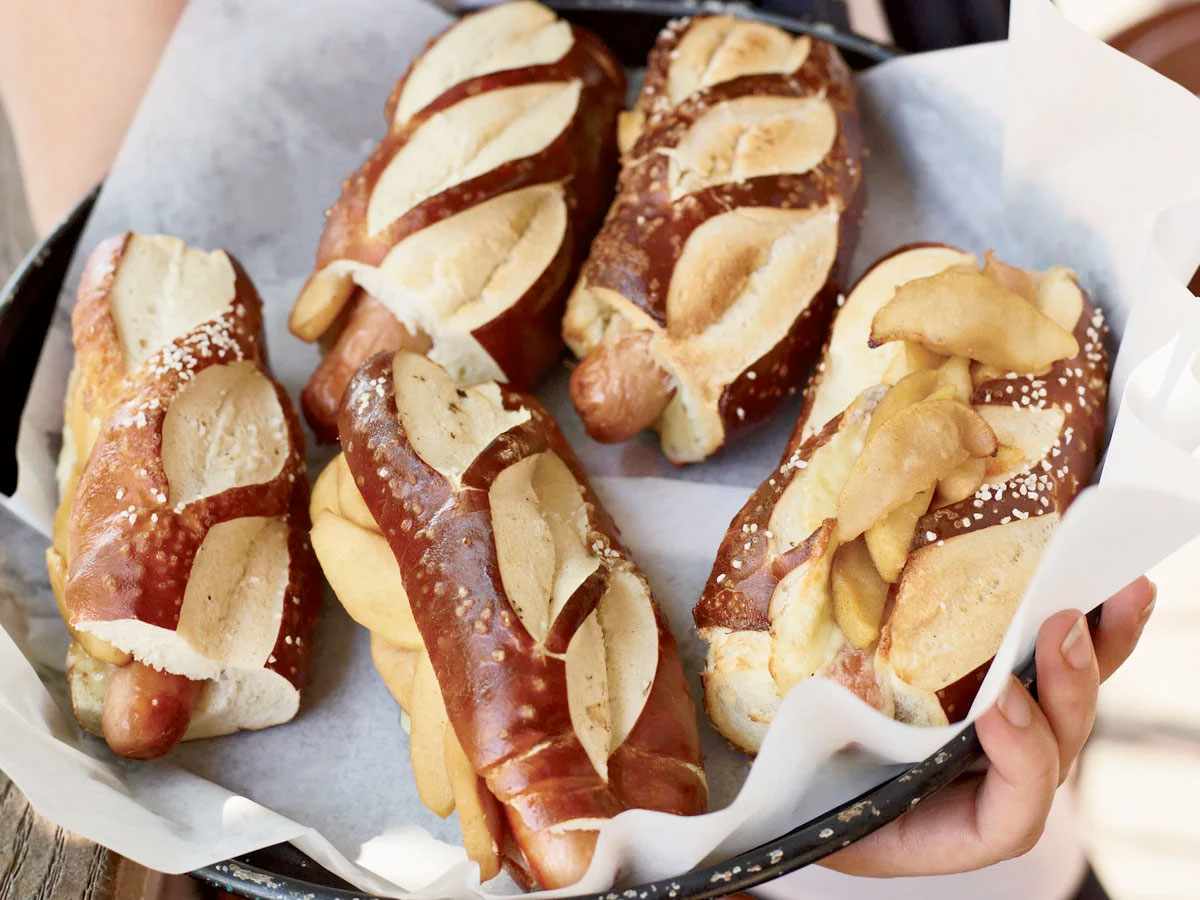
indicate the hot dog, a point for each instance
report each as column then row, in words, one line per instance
column 954, row 416
column 507, row 618
column 735, row 219
column 181, row 559
column 470, row 219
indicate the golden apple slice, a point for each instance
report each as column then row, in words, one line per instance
column 321, row 299
column 360, row 567
column 100, row 649
column 888, row 539
column 981, row 374
column 948, row 379
column 965, row 313
column 1011, row 278
column 912, row 388
column 350, row 502
column 956, row 372
column 962, row 482
column 478, row 812
column 1060, row 297
column 427, row 740
column 397, row 666
column 858, row 594
column 325, row 491
column 912, row 358
column 1007, row 459
column 944, row 392
column 912, row 451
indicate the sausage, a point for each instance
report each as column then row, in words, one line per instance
column 619, row 388
column 143, row 521
column 147, row 711
column 370, row 328
column 553, row 857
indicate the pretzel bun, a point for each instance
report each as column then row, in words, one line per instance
column 538, row 651
column 736, row 215
column 908, row 614
column 469, row 220
column 181, row 558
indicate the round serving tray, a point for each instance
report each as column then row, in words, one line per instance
column 282, row 872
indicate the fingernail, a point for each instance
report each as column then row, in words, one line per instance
column 1014, row 705
column 1148, row 609
column 1077, row 646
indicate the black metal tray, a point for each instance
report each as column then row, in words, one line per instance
column 282, row 872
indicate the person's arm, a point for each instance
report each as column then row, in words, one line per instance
column 71, row 75
column 1031, row 746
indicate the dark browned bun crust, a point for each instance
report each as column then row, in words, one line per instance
column 525, row 338
column 737, row 595
column 637, row 252
column 131, row 553
column 505, row 695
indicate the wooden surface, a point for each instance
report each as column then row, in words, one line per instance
column 40, row 861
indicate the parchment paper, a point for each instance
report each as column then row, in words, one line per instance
column 1050, row 148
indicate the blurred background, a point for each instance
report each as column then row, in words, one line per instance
column 1139, row 784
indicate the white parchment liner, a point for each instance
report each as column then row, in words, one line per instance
column 1051, row 148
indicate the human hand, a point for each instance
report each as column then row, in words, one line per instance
column 986, row 818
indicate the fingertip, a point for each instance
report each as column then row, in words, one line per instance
column 1015, row 705
column 1149, row 598
column 996, row 728
column 1122, row 621
column 1054, row 630
column 1065, row 641
column 1134, row 600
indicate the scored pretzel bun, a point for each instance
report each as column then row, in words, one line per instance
column 180, row 558
column 711, row 284
column 461, row 234
column 954, row 416
column 543, row 685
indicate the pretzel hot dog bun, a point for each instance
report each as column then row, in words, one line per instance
column 470, row 219
column 534, row 641
column 181, row 557
column 955, row 415
column 736, row 215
